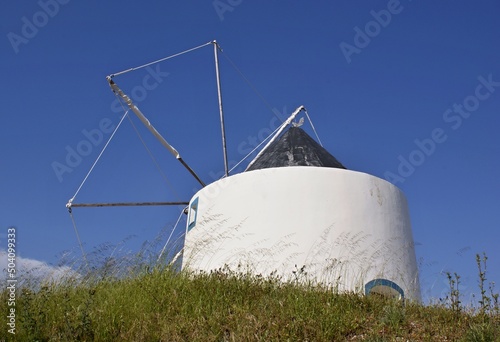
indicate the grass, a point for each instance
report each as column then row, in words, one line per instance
column 159, row 304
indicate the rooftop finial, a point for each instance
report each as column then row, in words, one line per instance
column 298, row 124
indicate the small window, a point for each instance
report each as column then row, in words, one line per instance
column 193, row 213
column 385, row 288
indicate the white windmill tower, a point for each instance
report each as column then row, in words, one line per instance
column 297, row 207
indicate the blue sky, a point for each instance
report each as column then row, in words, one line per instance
column 404, row 90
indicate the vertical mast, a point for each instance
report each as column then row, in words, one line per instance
column 224, row 150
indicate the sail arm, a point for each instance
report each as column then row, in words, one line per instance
column 150, row 127
column 70, row 205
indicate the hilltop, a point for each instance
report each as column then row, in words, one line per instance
column 160, row 304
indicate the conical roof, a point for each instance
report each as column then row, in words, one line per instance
column 294, row 148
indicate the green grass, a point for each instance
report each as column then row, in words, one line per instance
column 163, row 305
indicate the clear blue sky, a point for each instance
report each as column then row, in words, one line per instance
column 406, row 90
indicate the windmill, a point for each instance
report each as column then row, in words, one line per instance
column 295, row 207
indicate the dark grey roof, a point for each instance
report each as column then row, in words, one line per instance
column 295, row 148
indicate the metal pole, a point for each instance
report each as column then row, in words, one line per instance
column 224, row 150
column 122, row 204
column 145, row 121
column 282, row 127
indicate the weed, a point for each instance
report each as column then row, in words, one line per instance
column 485, row 301
column 299, row 274
column 454, row 297
column 394, row 315
column 481, row 332
column 494, row 299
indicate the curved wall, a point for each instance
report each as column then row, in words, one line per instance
column 344, row 229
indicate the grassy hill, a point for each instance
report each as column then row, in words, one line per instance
column 162, row 305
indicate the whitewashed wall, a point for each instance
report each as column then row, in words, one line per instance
column 345, row 227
